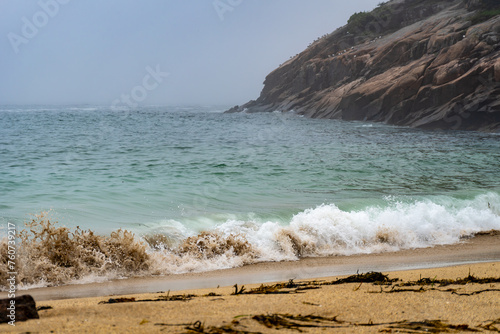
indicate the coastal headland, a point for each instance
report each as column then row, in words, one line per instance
column 428, row 64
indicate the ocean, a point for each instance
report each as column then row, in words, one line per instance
column 166, row 190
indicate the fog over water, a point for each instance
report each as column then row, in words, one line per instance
column 215, row 51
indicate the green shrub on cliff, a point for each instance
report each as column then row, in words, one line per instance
column 484, row 15
column 485, row 9
column 359, row 20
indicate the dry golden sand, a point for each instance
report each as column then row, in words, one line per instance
column 354, row 305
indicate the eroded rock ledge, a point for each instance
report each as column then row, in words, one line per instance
column 430, row 64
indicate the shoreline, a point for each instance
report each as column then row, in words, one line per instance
column 482, row 248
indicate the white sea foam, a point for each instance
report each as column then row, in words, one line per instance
column 322, row 231
column 328, row 230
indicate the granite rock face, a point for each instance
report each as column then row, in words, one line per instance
column 420, row 63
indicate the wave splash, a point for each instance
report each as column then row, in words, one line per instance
column 50, row 255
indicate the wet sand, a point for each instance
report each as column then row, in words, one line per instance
column 348, row 307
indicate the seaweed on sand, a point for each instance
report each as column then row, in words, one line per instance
column 459, row 281
column 430, row 326
column 369, row 277
column 296, row 322
column 279, row 288
column 236, row 291
column 491, row 326
column 199, row 327
column 435, row 283
column 293, row 287
column 166, row 298
column 212, row 294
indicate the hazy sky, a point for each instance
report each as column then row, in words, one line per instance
column 98, row 51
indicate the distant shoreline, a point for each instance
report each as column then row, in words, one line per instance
column 482, row 248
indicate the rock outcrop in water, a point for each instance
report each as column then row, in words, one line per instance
column 420, row 63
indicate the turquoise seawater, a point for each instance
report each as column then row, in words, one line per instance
column 178, row 171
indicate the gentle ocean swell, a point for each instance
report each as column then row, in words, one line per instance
column 50, row 255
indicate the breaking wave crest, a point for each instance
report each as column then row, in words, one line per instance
column 50, row 255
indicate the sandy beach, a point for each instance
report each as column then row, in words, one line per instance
column 447, row 296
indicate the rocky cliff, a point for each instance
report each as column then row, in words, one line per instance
column 419, row 63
